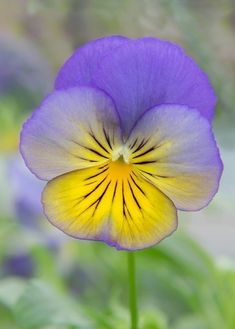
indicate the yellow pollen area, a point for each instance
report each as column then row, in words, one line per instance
column 119, row 169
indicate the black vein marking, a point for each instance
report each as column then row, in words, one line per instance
column 90, row 183
column 145, row 162
column 95, row 208
column 105, row 165
column 129, row 213
column 89, row 193
column 141, row 145
column 125, row 207
column 133, row 195
column 95, row 175
column 85, row 159
column 133, row 144
column 123, row 201
column 107, row 138
column 155, row 176
column 130, row 230
column 100, row 198
column 89, row 149
column 139, row 188
column 96, row 140
column 134, row 174
column 97, row 200
column 146, row 172
column 144, row 153
column 96, row 152
column 161, row 176
column 125, row 210
column 114, row 191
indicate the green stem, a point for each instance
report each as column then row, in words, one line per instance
column 132, row 290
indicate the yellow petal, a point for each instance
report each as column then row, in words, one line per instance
column 111, row 203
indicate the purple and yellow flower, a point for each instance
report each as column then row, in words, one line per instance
column 124, row 141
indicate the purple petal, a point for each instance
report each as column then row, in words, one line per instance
column 147, row 72
column 175, row 150
column 70, row 131
column 79, row 68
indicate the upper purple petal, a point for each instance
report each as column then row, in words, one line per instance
column 147, row 72
column 78, row 69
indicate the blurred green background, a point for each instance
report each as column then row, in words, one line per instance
column 50, row 281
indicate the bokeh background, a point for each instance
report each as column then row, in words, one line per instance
column 50, row 281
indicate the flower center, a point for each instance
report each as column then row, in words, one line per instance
column 121, row 154
column 120, row 168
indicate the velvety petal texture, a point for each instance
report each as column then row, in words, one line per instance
column 79, row 68
column 72, row 129
column 147, row 72
column 174, row 148
column 110, row 203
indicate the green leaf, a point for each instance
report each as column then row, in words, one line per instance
column 10, row 290
column 40, row 306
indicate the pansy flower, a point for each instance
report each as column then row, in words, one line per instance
column 124, row 141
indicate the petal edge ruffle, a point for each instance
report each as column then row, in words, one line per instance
column 80, row 66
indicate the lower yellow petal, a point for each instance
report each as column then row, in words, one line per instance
column 111, row 203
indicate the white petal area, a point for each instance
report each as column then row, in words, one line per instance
column 173, row 147
column 72, row 129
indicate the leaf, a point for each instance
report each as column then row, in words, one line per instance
column 40, row 306
column 10, row 290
